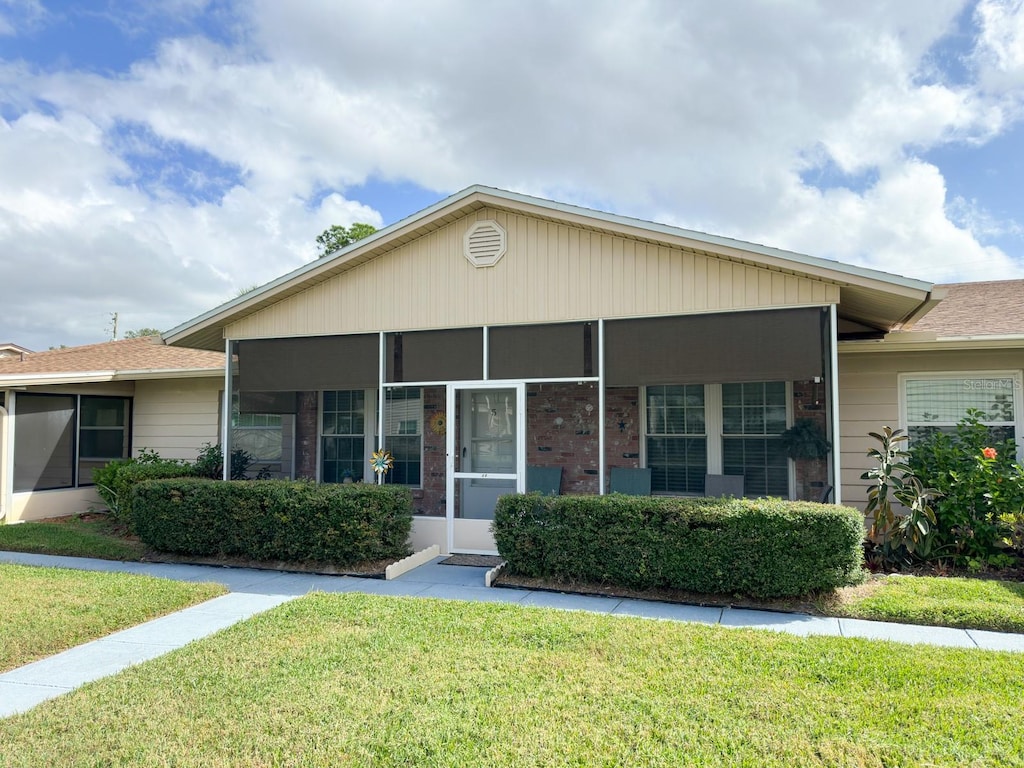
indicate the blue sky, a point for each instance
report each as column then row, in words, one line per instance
column 158, row 157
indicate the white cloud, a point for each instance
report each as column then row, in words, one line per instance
column 708, row 116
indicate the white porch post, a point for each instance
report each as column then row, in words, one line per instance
column 225, row 436
column 6, row 456
column 487, row 353
column 601, row 469
column 833, row 336
column 382, row 348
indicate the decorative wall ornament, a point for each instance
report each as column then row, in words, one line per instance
column 439, row 423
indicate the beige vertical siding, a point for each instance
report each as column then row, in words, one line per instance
column 175, row 417
column 869, row 398
column 550, row 272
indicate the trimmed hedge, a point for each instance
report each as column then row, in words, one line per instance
column 114, row 482
column 274, row 519
column 758, row 547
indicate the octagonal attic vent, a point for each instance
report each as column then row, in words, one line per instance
column 485, row 243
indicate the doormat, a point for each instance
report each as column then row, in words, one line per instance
column 481, row 561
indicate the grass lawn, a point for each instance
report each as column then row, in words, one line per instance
column 90, row 536
column 359, row 680
column 936, row 601
column 47, row 610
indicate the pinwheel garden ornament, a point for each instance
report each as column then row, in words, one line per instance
column 382, row 461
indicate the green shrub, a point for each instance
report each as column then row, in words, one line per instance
column 114, row 481
column 762, row 548
column 982, row 498
column 210, row 463
column 274, row 519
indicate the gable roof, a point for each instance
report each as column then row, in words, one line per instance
column 127, row 359
column 990, row 308
column 10, row 349
column 875, row 298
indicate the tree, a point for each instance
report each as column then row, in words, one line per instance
column 141, row 332
column 336, row 237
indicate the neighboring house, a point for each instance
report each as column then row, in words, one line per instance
column 66, row 411
column 967, row 352
column 494, row 334
column 9, row 350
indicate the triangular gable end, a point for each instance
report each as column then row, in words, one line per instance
column 548, row 271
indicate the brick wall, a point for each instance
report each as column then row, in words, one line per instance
column 430, row 499
column 811, row 474
column 306, row 430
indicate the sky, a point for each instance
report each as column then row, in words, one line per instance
column 158, row 157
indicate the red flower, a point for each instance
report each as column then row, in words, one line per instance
column 989, row 453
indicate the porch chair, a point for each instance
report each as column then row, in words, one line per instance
column 547, row 480
column 631, row 481
column 723, row 485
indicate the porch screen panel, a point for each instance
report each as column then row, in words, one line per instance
column 281, row 403
column 539, row 351
column 770, row 345
column 310, row 363
column 45, row 447
column 455, row 354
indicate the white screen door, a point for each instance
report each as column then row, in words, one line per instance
column 486, row 458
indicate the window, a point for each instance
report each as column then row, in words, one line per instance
column 267, row 437
column 343, row 436
column 60, row 439
column 103, row 433
column 676, row 438
column 937, row 402
column 732, row 429
column 44, row 442
column 403, row 434
column 753, row 417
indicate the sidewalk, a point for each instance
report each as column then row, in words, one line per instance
column 254, row 591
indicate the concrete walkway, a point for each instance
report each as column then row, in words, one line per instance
column 254, row 591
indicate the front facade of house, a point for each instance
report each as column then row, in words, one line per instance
column 65, row 412
column 495, row 336
column 496, row 343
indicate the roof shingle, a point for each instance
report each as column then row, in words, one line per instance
column 993, row 308
column 146, row 353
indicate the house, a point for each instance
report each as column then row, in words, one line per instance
column 9, row 350
column 966, row 352
column 66, row 411
column 496, row 338
column 494, row 334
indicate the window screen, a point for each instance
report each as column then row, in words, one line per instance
column 753, row 417
column 937, row 404
column 45, row 448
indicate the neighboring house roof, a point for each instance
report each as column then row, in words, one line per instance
column 139, row 358
column 992, row 308
column 878, row 299
column 12, row 350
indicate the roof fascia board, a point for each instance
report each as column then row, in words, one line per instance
column 722, row 245
column 331, row 264
column 732, row 248
column 36, row 379
column 950, row 343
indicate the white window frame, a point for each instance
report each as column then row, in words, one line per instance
column 421, row 434
column 1018, row 395
column 369, row 426
column 370, row 423
column 713, row 429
